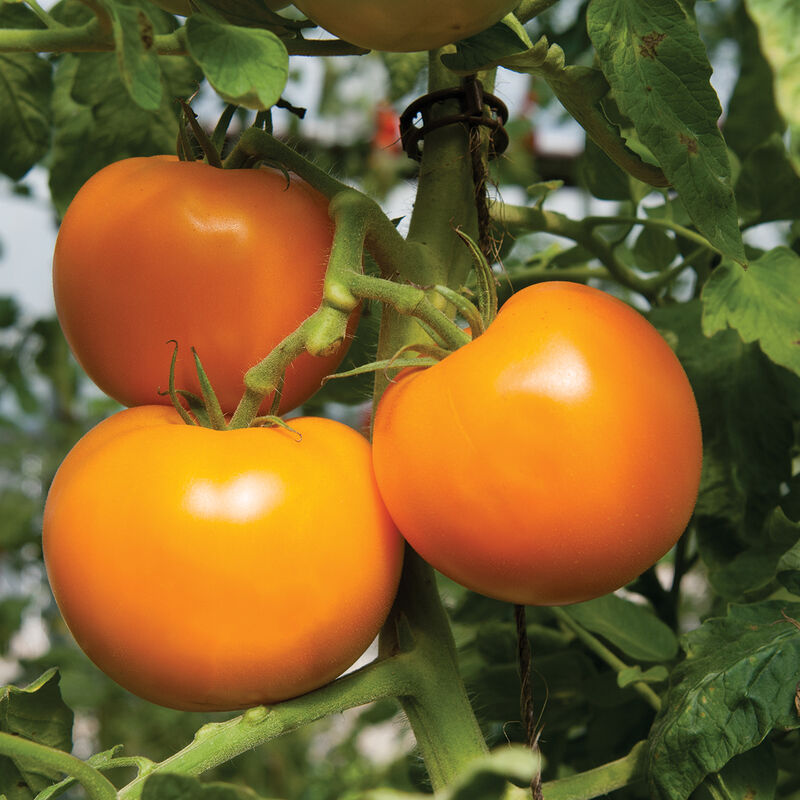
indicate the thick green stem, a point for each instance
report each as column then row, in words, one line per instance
column 438, row 709
column 599, row 649
column 96, row 785
column 437, row 706
column 445, row 201
column 217, row 743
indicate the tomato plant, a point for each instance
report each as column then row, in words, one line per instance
column 219, row 570
column 577, row 444
column 155, row 249
column 419, row 25
column 550, row 459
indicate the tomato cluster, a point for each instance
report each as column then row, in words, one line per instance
column 194, row 565
column 551, row 460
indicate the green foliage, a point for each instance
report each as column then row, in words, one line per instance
column 24, row 93
column 658, row 70
column 233, row 59
column 37, row 713
column 760, row 303
column 736, row 684
column 635, row 75
column 779, row 27
column 632, row 628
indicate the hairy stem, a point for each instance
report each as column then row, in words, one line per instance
column 437, row 706
column 217, row 743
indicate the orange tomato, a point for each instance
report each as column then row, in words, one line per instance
column 406, row 27
column 226, row 261
column 215, row 570
column 549, row 461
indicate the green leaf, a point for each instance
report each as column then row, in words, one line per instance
column 38, row 713
column 96, row 124
column 753, row 775
column 636, row 674
column 501, row 40
column 161, row 786
column 658, row 69
column 136, row 57
column 736, row 684
column 753, row 95
column 768, row 187
column 778, row 24
column 246, row 66
column 485, row 778
column 654, row 249
column 632, row 628
column 788, row 567
column 25, row 91
column 601, row 176
column 579, row 89
column 760, row 302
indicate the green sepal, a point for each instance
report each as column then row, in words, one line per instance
column 210, row 401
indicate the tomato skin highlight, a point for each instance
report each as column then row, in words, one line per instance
column 226, row 261
column 551, row 460
column 405, row 27
column 207, row 570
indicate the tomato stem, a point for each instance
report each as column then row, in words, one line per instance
column 437, row 706
column 599, row 649
column 218, row 743
column 24, row 751
column 529, row 219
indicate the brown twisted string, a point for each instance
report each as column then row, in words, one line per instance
column 480, row 176
column 525, row 660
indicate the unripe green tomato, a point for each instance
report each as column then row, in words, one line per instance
column 405, row 27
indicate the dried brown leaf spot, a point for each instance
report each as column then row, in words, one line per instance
column 688, row 142
column 650, row 43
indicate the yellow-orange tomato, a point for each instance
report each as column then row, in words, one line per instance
column 551, row 460
column 405, row 27
column 226, row 261
column 209, row 570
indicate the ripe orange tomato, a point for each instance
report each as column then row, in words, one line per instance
column 549, row 461
column 216, row 570
column 405, row 27
column 226, row 261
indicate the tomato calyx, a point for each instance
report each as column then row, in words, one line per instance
column 206, row 412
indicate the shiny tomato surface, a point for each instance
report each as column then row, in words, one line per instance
column 208, row 570
column 405, row 27
column 226, row 261
column 551, row 460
